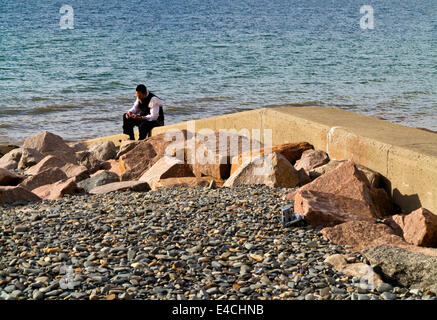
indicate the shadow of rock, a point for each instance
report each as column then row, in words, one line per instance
column 409, row 202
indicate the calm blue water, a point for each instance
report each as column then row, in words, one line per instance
column 206, row 58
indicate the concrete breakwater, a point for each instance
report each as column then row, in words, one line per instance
column 406, row 157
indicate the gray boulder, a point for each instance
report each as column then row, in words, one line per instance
column 409, row 269
column 103, row 151
column 96, row 155
column 100, row 179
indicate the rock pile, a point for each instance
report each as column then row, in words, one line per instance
column 49, row 168
column 339, row 197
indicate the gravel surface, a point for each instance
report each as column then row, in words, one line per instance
column 175, row 243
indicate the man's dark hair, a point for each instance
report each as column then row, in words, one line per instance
column 141, row 88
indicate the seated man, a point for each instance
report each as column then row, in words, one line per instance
column 146, row 113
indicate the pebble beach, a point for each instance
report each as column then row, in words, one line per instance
column 175, row 243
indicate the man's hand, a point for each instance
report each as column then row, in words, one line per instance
column 134, row 116
column 139, row 117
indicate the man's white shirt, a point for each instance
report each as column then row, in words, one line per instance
column 154, row 105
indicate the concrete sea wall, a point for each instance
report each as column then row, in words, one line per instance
column 406, row 157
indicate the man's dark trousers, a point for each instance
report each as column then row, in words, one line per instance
column 144, row 127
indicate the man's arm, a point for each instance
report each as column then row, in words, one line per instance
column 134, row 108
column 154, row 105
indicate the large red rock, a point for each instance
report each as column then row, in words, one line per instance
column 144, row 155
column 362, row 234
column 311, row 159
column 291, row 151
column 11, row 159
column 48, row 162
column 48, row 176
column 365, row 234
column 78, row 173
column 418, row 228
column 57, row 190
column 50, row 144
column 51, row 162
column 45, row 142
column 166, row 167
column 121, row 186
column 374, row 177
column 135, row 162
column 187, row 182
column 344, row 189
column 327, row 209
column 272, row 169
column 110, row 165
column 11, row 194
column 29, row 158
column 126, row 146
column 8, row 178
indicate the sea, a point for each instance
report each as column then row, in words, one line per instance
column 71, row 67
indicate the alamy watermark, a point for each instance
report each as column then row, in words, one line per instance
column 67, row 18
column 367, row 281
column 66, row 21
column 367, row 21
column 209, row 147
column 67, row 281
